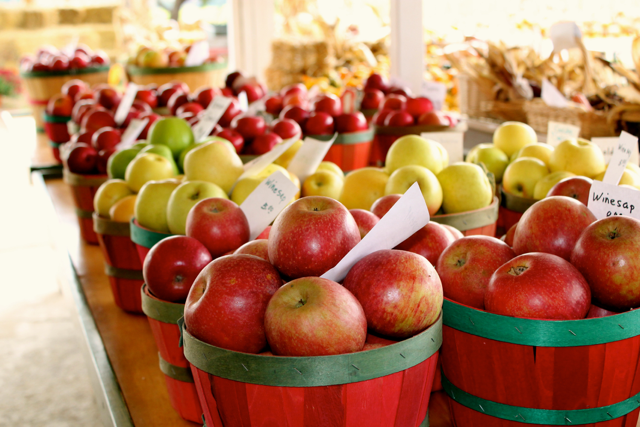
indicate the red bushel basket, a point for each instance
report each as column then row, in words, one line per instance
column 481, row 221
column 511, row 209
column 58, row 133
column 350, row 151
column 144, row 239
column 504, row 371
column 84, row 188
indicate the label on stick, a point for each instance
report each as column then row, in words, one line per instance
column 435, row 92
column 309, row 156
column 608, row 146
column 126, row 103
column 564, row 35
column 453, row 142
column 558, row 132
column 257, row 165
column 552, row 96
column 627, row 144
column 132, row 132
column 198, row 53
column 210, row 118
column 607, row 200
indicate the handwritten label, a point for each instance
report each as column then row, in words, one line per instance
column 198, row 53
column 608, row 146
column 243, row 101
column 558, row 132
column 407, row 216
column 309, row 156
column 627, row 144
column 453, row 142
column 126, row 103
column 258, row 164
column 132, row 132
column 435, row 92
column 564, row 35
column 265, row 202
column 210, row 118
column 552, row 96
column 607, row 200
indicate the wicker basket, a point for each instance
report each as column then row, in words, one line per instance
column 471, row 96
column 210, row 75
column 504, row 110
column 591, row 123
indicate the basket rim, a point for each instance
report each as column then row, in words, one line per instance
column 134, row 70
column 464, row 221
column 70, row 72
column 348, row 138
column 143, row 236
column 160, row 310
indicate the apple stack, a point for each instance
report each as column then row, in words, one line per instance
column 45, row 73
column 541, row 329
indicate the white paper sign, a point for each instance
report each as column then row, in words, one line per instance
column 564, row 34
column 309, row 156
column 407, row 216
column 130, row 135
column 265, row 202
column 359, row 97
column 313, row 92
column 126, row 103
column 7, row 120
column 258, row 164
column 453, row 142
column 608, row 146
column 552, row 96
column 257, row 107
column 627, row 144
column 198, row 53
column 348, row 101
column 210, row 118
column 435, row 92
column 243, row 101
column 607, row 200
column 558, row 132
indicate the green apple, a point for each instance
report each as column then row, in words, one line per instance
column 522, row 175
column 163, row 151
column 495, row 160
column 414, row 150
column 323, row 183
column 539, row 150
column 578, row 156
column 184, row 152
column 184, row 197
column 473, row 153
column 543, row 186
column 108, row 194
column 140, row 144
column 465, row 187
column 512, row 136
column 150, row 209
column 118, row 162
column 403, row 178
column 148, row 167
column 173, row 132
column 213, row 162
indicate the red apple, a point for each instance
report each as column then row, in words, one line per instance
column 165, row 92
column 433, row 118
column 231, row 77
column 172, row 265
column 147, row 96
column 538, row 286
column 295, row 113
column 233, row 137
column 365, row 220
column 380, row 116
column 103, row 159
column 312, row 228
column 596, row 311
column 82, row 159
column 552, row 225
column 153, row 117
column 176, row 100
column 249, row 126
column 84, row 137
column 394, row 102
column 227, row 303
column 108, row 98
column 232, row 111
column 399, row 118
column 191, row 107
column 82, row 107
column 351, row 122
column 60, row 105
column 510, row 233
column 285, row 128
column 228, row 92
column 418, row 106
column 132, row 114
column 381, row 206
column 328, row 103
column 400, row 292
column 59, row 63
column 74, row 87
column 94, row 120
column 254, row 92
column 577, row 187
column 86, row 94
column 205, row 95
column 265, row 233
column 466, row 266
column 400, row 90
column 219, row 224
column 40, row 66
column 319, row 123
column 457, row 234
column 607, row 254
column 265, row 142
column 99, row 58
column 273, row 105
column 312, row 316
column 141, row 106
column 430, row 241
column 255, row 247
column 297, row 88
column 372, row 99
column 79, row 61
column 106, row 137
column 376, row 81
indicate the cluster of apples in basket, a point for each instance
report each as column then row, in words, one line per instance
column 170, row 56
column 49, row 58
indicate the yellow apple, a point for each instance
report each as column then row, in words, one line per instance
column 323, row 183
column 628, row 178
column 244, row 187
column 271, row 168
column 296, row 181
column 444, row 153
column 578, row 156
column 213, row 162
column 465, row 187
column 286, row 157
column 184, row 197
column 522, row 175
column 108, row 194
column 148, row 167
column 403, row 178
column 494, row 159
column 512, row 136
column 543, row 186
column 362, row 187
column 151, row 206
column 331, row 167
column 472, row 155
column 633, row 168
column 414, row 150
column 124, row 209
column 539, row 150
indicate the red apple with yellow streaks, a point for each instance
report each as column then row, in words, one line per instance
column 381, row 206
column 577, row 187
column 365, row 220
column 430, row 241
column 257, row 247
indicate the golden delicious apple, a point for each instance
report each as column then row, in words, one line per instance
column 628, row 178
column 184, row 197
column 522, row 175
column 473, row 153
column 331, row 167
column 512, row 136
column 124, row 209
column 213, row 162
column 494, row 160
column 546, row 183
column 362, row 187
column 286, row 157
column 465, row 187
column 151, row 205
column 539, row 150
column 403, row 178
column 444, row 153
column 244, row 187
column 578, row 156
column 108, row 194
column 323, row 183
column 148, row 167
column 414, row 150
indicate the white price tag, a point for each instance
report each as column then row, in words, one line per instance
column 265, row 202
column 407, row 216
column 348, row 101
column 243, row 101
column 610, row 200
column 552, row 96
column 258, row 164
column 558, row 132
column 453, row 142
column 257, row 107
column 125, row 103
column 313, row 92
column 130, row 135
column 198, row 53
column 627, row 144
column 435, row 92
column 210, row 118
column 564, row 35
column 359, row 97
column 608, row 146
column 309, row 157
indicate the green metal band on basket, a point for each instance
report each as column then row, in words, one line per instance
column 122, row 273
column 347, row 138
column 162, row 311
column 55, row 119
column 178, row 373
column 112, row 228
column 77, row 180
column 313, row 371
column 146, row 238
column 542, row 333
column 81, row 213
column 143, row 71
column 516, row 203
column 553, row 417
column 55, row 144
column 72, row 72
column 470, row 220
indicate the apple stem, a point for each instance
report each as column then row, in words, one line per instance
column 516, row 271
column 195, row 196
column 179, row 279
column 315, row 209
column 300, row 303
column 460, row 262
column 613, row 234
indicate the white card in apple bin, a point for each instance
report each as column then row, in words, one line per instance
column 198, row 53
column 309, row 156
column 132, row 132
column 348, row 100
column 607, row 200
column 359, row 97
column 627, row 144
column 453, row 142
column 269, row 198
column 243, row 102
column 7, row 120
column 210, row 118
column 257, row 107
column 558, row 132
column 126, row 103
column 313, row 92
column 564, row 35
column 552, row 96
column 608, row 145
column 435, row 92
column 407, row 216
column 258, row 164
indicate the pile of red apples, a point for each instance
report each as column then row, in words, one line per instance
column 49, row 59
